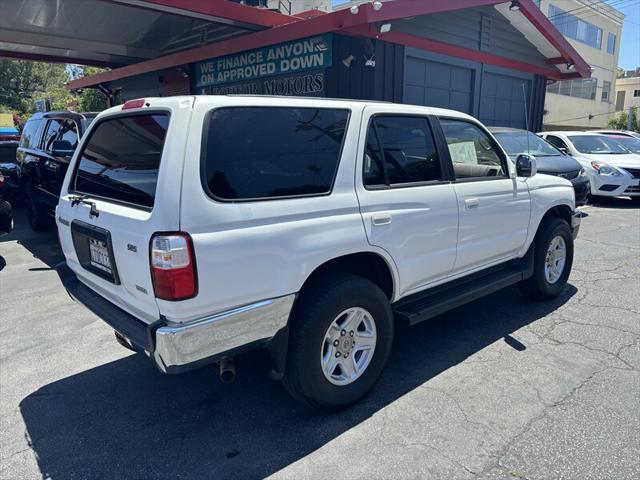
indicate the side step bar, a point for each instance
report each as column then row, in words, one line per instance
column 433, row 302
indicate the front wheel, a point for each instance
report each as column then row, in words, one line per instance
column 553, row 259
column 341, row 337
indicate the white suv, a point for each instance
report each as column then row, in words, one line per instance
column 200, row 227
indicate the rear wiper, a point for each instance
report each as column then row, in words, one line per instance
column 78, row 199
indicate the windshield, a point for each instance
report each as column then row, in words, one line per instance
column 599, row 145
column 515, row 143
column 630, row 143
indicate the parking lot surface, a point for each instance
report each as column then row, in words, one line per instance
column 502, row 388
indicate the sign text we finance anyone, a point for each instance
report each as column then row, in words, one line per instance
column 306, row 54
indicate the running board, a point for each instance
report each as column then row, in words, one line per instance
column 433, row 302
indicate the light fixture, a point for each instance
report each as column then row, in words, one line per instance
column 348, row 61
column 384, row 27
column 354, row 9
column 377, row 5
column 320, row 45
column 515, row 5
column 570, row 66
column 370, row 61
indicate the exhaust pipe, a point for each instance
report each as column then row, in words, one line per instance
column 227, row 370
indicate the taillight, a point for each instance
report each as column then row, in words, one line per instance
column 138, row 103
column 173, row 266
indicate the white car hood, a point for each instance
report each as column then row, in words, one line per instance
column 630, row 160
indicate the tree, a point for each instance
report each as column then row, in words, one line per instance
column 24, row 82
column 621, row 120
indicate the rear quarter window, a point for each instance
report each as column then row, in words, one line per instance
column 121, row 158
column 252, row 153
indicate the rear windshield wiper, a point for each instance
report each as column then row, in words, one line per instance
column 78, row 199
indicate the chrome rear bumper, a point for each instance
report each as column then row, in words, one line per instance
column 180, row 347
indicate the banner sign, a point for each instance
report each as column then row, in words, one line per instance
column 285, row 58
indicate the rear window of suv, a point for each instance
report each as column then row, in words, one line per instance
column 121, row 158
column 252, row 153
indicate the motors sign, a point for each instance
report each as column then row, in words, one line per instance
column 286, row 58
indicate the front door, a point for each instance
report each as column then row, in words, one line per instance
column 494, row 208
column 407, row 203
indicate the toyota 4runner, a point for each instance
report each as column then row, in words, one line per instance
column 201, row 227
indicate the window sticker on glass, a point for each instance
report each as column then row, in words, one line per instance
column 463, row 152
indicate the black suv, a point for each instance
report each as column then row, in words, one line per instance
column 549, row 159
column 46, row 146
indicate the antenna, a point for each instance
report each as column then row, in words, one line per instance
column 526, row 116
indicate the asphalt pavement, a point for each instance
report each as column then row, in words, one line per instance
column 503, row 388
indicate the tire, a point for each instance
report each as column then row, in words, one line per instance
column 38, row 218
column 323, row 302
column 540, row 286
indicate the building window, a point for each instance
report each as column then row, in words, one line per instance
column 573, row 27
column 611, row 43
column 579, row 88
column 636, row 93
column 606, row 91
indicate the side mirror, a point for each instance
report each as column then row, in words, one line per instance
column 526, row 165
column 62, row 148
column 6, row 217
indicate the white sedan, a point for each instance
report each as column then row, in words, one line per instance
column 612, row 169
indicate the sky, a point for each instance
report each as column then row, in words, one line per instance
column 630, row 43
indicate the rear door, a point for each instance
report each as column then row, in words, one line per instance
column 123, row 186
column 407, row 202
column 54, row 163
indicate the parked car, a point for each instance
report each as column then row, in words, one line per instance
column 613, row 171
column 629, row 142
column 9, row 138
column 549, row 159
column 201, row 227
column 46, row 146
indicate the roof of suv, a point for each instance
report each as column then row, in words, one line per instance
column 301, row 102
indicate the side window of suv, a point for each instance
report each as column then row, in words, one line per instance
column 473, row 153
column 60, row 129
column 253, row 153
column 400, row 150
column 50, row 134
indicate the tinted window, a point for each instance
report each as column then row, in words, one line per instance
column 121, row 158
column 29, row 137
column 68, row 132
column 473, row 153
column 400, row 150
column 51, row 134
column 267, row 152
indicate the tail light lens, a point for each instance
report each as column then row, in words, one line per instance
column 173, row 266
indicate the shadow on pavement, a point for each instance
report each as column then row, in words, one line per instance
column 613, row 202
column 124, row 419
column 42, row 245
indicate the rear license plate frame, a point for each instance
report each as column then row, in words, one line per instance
column 83, row 234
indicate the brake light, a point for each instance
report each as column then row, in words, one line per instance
column 133, row 104
column 173, row 267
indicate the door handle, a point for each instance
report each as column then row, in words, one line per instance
column 381, row 219
column 470, row 203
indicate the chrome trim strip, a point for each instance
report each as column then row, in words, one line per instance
column 179, row 345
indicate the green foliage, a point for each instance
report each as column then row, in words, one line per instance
column 24, row 82
column 620, row 121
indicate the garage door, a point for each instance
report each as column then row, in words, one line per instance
column 502, row 100
column 438, row 85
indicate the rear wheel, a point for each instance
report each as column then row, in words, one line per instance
column 38, row 219
column 341, row 337
column 553, row 259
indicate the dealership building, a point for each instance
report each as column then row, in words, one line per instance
column 492, row 59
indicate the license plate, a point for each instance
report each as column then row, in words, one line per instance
column 99, row 255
